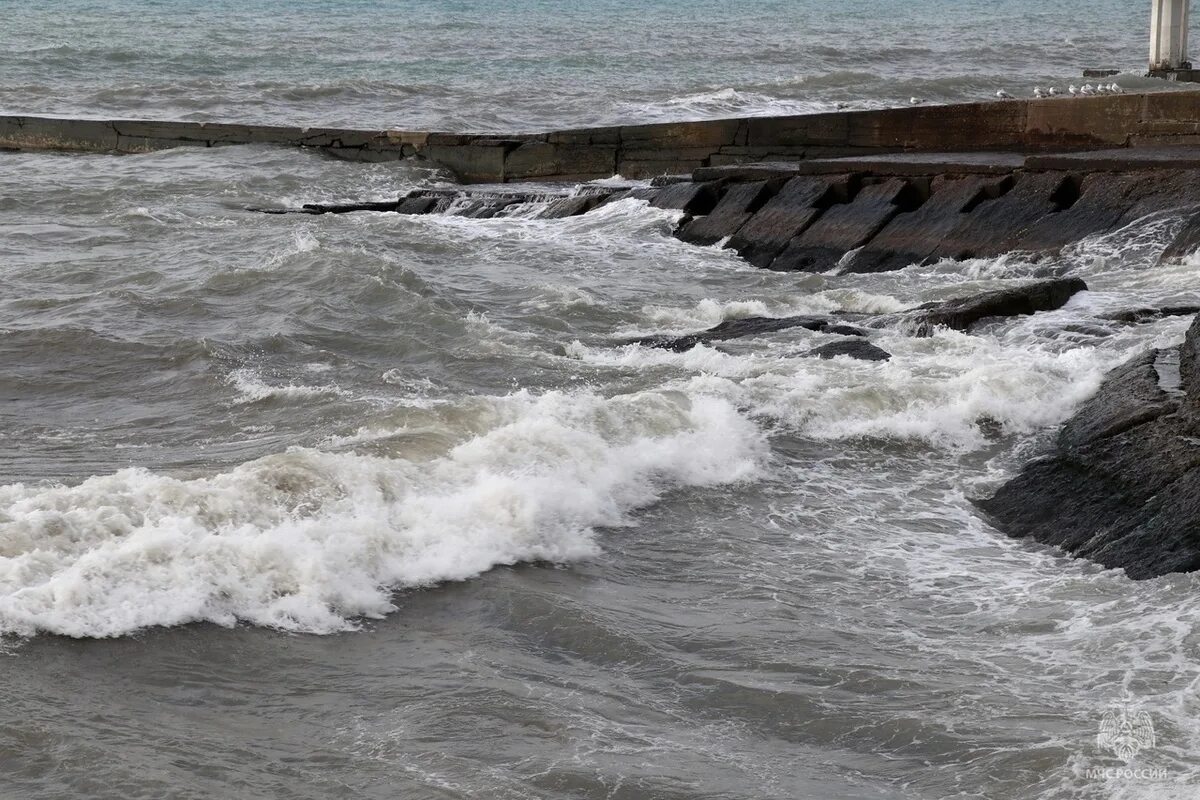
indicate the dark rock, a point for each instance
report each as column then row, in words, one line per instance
column 761, row 171
column 484, row 207
column 785, row 216
column 961, row 313
column 1189, row 368
column 1162, row 191
column 346, row 208
column 417, row 205
column 1140, row 315
column 1122, row 486
column 691, row 198
column 670, row 180
column 846, row 226
column 913, row 237
column 1186, row 242
column 572, row 206
column 736, row 206
column 1131, row 397
column 1102, row 201
column 738, row 328
column 995, row 225
column 860, row 349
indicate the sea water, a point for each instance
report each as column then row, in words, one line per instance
column 373, row 506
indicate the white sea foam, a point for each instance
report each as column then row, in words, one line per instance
column 309, row 540
column 252, row 388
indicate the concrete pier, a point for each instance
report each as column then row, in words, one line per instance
column 1056, row 125
column 1169, row 20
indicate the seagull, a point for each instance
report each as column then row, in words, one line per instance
column 1087, row 89
column 839, row 106
column 1102, row 88
column 1054, row 91
column 915, row 101
column 1003, row 95
column 1038, row 93
column 1115, row 89
column 1073, row 90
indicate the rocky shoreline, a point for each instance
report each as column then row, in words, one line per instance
column 1121, row 486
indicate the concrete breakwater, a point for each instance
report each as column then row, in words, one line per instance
column 640, row 151
column 875, row 213
column 1094, row 495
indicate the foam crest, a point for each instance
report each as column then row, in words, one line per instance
column 309, row 540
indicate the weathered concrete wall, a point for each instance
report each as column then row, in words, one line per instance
column 636, row 151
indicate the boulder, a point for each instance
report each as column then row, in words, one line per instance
column 417, row 205
column 859, row 349
column 1186, row 242
column 1121, row 485
column 963, row 312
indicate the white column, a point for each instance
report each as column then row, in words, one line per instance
column 1169, row 34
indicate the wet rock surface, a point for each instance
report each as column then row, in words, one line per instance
column 1122, row 484
column 961, row 313
column 859, row 349
column 958, row 313
column 750, row 326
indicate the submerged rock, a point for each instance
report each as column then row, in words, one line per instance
column 1122, row 484
column 961, row 313
column 860, row 349
column 750, row 326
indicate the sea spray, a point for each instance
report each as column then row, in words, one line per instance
column 309, row 540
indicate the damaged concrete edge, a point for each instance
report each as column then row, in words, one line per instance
column 642, row 151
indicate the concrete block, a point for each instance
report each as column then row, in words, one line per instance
column 970, row 126
column 587, row 136
column 691, row 198
column 572, row 206
column 710, row 134
column 471, row 164
column 1103, row 199
column 995, row 225
column 846, row 226
column 786, row 216
column 658, row 168
column 799, row 131
column 1083, row 121
column 533, row 160
column 44, row 133
column 737, row 204
column 913, row 237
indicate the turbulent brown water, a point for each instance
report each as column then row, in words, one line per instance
column 373, row 506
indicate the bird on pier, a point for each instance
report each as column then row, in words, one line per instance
column 1038, row 93
column 1088, row 89
column 1003, row 95
column 915, row 101
column 1115, row 89
column 1054, row 92
column 1074, row 90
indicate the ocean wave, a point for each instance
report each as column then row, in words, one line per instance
column 312, row 541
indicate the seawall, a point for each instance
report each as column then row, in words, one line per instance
column 640, row 151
